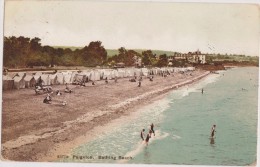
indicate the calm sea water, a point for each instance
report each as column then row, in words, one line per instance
column 183, row 121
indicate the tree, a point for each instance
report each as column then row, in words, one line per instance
column 162, row 61
column 94, row 54
column 148, row 57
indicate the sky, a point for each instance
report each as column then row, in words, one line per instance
column 182, row 27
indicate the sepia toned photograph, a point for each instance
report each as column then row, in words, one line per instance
column 121, row 82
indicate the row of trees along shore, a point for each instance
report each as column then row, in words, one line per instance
column 20, row 52
column 25, row 52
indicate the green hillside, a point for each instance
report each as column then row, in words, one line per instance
column 111, row 52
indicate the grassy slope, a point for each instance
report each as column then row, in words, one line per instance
column 112, row 52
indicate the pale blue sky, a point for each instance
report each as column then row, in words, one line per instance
column 183, row 27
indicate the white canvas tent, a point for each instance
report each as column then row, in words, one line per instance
column 107, row 74
column 21, row 74
column 8, row 83
column 37, row 78
column 60, row 78
column 19, row 82
column 79, row 78
column 144, row 71
column 73, row 76
column 95, row 75
column 38, row 73
column 67, row 78
column 29, row 81
column 45, row 79
column 53, row 79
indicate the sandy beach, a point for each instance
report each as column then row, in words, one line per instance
column 34, row 131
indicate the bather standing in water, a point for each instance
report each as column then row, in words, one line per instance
column 152, row 126
column 142, row 134
column 147, row 139
column 213, row 130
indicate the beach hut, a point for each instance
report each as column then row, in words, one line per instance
column 107, row 74
column 73, row 76
column 79, row 78
column 8, row 83
column 137, row 72
column 60, row 78
column 121, row 73
column 144, row 71
column 95, row 75
column 37, row 78
column 19, row 82
column 29, row 81
column 38, row 73
column 45, row 79
column 67, row 78
column 53, row 79
column 21, row 74
column 114, row 74
column 12, row 74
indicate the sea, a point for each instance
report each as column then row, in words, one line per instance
column 182, row 121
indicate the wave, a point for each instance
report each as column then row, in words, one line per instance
column 141, row 145
column 186, row 90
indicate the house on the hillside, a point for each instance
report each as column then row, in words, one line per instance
column 197, row 57
column 193, row 57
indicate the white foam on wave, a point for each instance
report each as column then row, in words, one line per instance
column 186, row 90
column 141, row 145
column 175, row 137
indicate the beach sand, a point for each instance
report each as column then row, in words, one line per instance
column 34, row 131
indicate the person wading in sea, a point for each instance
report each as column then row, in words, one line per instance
column 213, row 130
column 142, row 134
column 147, row 139
column 152, row 126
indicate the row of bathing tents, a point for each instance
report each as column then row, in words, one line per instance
column 27, row 80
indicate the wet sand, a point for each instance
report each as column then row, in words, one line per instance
column 34, row 131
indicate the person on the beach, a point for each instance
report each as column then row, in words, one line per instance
column 37, row 89
column 106, row 81
column 142, row 134
column 67, row 89
column 93, row 83
column 58, row 93
column 150, row 133
column 147, row 139
column 151, row 78
column 213, row 130
column 64, row 103
column 139, row 83
column 83, row 83
column 202, row 91
column 47, row 99
column 152, row 126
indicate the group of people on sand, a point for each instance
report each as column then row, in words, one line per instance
column 149, row 134
column 140, row 79
column 48, row 98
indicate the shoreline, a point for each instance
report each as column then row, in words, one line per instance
column 68, row 147
column 95, row 124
